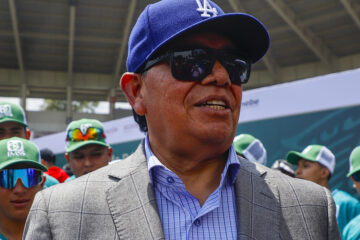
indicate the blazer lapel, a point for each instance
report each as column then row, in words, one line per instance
column 257, row 208
column 132, row 200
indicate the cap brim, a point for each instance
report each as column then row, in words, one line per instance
column 353, row 171
column 293, row 157
column 13, row 120
column 246, row 32
column 77, row 145
column 23, row 164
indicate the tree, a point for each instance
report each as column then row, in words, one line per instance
column 77, row 106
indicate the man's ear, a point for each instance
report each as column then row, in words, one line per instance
column 131, row 84
column 325, row 172
column 43, row 181
column 110, row 152
column 67, row 157
column 28, row 134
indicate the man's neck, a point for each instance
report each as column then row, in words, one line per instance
column 200, row 175
column 11, row 229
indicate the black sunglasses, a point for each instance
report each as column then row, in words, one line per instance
column 356, row 176
column 195, row 64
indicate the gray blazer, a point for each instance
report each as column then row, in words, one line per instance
column 118, row 202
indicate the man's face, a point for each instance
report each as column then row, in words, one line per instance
column 356, row 185
column 309, row 170
column 188, row 113
column 15, row 203
column 88, row 158
column 12, row 129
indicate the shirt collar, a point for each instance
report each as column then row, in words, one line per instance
column 231, row 169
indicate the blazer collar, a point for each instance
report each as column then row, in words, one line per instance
column 134, row 209
column 132, row 200
column 257, row 206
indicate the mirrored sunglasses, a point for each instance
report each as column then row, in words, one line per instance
column 30, row 177
column 195, row 64
column 356, row 176
column 92, row 133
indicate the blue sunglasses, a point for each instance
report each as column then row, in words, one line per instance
column 30, row 177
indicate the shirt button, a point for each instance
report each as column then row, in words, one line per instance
column 197, row 222
column 170, row 180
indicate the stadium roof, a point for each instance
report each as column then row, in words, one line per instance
column 77, row 49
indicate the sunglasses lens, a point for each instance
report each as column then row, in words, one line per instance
column 29, row 177
column 191, row 65
column 196, row 64
column 238, row 69
column 356, row 176
column 92, row 134
column 75, row 135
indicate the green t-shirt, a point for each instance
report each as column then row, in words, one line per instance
column 50, row 181
column 352, row 229
column 347, row 208
column 70, row 178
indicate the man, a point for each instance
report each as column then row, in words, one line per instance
column 187, row 60
column 13, row 123
column 86, row 147
column 316, row 163
column 48, row 159
column 21, row 177
column 250, row 148
column 352, row 229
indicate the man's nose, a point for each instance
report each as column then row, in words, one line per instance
column 19, row 188
column 87, row 161
column 218, row 76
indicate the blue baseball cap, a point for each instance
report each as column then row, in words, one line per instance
column 168, row 20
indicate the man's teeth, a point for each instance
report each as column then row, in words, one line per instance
column 215, row 104
column 216, row 107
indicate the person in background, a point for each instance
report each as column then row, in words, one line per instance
column 187, row 61
column 21, row 177
column 67, row 169
column 352, row 229
column 316, row 163
column 13, row 123
column 250, row 148
column 86, row 147
column 48, row 159
column 284, row 166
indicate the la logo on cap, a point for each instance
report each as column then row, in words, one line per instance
column 5, row 111
column 205, row 8
column 84, row 127
column 15, row 148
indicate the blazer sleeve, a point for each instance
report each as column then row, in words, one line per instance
column 333, row 229
column 37, row 226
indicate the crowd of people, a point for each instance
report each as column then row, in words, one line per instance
column 190, row 177
column 315, row 163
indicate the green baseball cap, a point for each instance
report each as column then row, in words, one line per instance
column 354, row 161
column 10, row 112
column 84, row 132
column 251, row 148
column 314, row 153
column 18, row 151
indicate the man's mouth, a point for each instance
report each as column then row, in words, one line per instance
column 20, row 203
column 214, row 104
